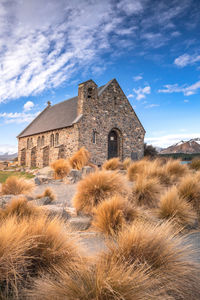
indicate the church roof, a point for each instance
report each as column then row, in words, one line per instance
column 60, row 115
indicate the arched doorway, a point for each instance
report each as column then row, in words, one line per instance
column 113, row 144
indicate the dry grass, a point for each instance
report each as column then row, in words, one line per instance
column 175, row 168
column 173, row 207
column 112, row 214
column 157, row 171
column 20, row 208
column 61, row 168
column 96, row 187
column 48, row 192
column 165, row 254
column 195, row 164
column 127, row 162
column 189, row 189
column 80, row 159
column 137, row 168
column 145, row 192
column 29, row 247
column 112, row 164
column 16, row 185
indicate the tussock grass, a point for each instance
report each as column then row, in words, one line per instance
column 61, row 168
column 173, row 207
column 175, row 168
column 112, row 164
column 189, row 189
column 48, row 192
column 17, row 185
column 79, row 159
column 29, row 247
column 96, row 187
column 20, row 208
column 165, row 254
column 127, row 162
column 195, row 164
column 137, row 168
column 145, row 192
column 158, row 171
column 112, row 214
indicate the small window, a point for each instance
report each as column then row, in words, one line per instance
column 57, row 139
column 114, row 102
column 28, row 144
column 42, row 141
column 38, row 142
column 52, row 140
column 31, row 143
column 94, row 137
column 89, row 92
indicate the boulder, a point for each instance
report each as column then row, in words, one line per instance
column 5, row 199
column 74, row 175
column 40, row 179
column 42, row 201
column 87, row 170
column 80, row 223
column 56, row 211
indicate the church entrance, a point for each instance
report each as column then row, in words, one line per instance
column 46, row 156
column 33, row 157
column 113, row 144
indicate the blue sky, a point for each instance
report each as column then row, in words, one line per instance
column 152, row 47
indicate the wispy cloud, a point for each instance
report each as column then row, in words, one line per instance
column 186, row 59
column 170, row 139
column 142, row 92
column 186, row 90
column 28, row 105
column 18, row 118
column 137, row 78
column 152, row 105
column 10, row 149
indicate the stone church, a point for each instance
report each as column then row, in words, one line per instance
column 99, row 118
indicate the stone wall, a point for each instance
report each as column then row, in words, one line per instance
column 111, row 110
column 68, row 139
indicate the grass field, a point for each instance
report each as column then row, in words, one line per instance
column 5, row 174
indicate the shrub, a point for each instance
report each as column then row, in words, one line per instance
column 159, row 172
column 16, row 185
column 175, row 168
column 112, row 164
column 127, row 162
column 172, row 206
column 29, row 247
column 195, row 164
column 80, row 159
column 137, row 168
column 112, row 214
column 48, row 192
column 164, row 252
column 97, row 187
column 145, row 192
column 150, row 151
column 61, row 168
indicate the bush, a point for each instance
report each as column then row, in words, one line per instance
column 48, row 192
column 127, row 162
column 61, row 168
column 173, row 207
column 150, row 151
column 96, row 187
column 16, row 185
column 80, row 159
column 159, row 172
column 112, row 164
column 112, row 214
column 195, row 164
column 145, row 192
column 137, row 168
column 175, row 168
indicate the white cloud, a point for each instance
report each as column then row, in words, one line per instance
column 170, row 139
column 10, row 149
column 137, row 78
column 18, row 118
column 186, row 59
column 142, row 92
column 186, row 100
column 152, row 105
column 28, row 105
column 186, row 90
column 130, row 6
column 130, row 96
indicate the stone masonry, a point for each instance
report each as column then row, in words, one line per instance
column 99, row 112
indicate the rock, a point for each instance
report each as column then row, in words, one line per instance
column 74, row 175
column 42, row 201
column 56, row 211
column 71, row 211
column 5, row 199
column 40, row 179
column 37, row 181
column 87, row 170
column 80, row 223
column 46, row 171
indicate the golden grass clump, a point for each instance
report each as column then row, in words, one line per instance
column 112, row 164
column 163, row 252
column 175, row 168
column 126, row 163
column 79, row 159
column 20, row 208
column 61, row 168
column 145, row 192
column 29, row 247
column 112, row 214
column 195, row 164
column 137, row 168
column 48, row 192
column 17, row 185
column 173, row 207
column 189, row 189
column 96, row 187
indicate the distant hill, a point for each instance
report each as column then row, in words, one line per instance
column 7, row 156
column 189, row 147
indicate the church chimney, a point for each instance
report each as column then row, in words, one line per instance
column 87, row 94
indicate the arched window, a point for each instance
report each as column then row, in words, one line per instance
column 114, row 102
column 42, row 141
column 31, row 143
column 28, row 144
column 38, row 142
column 94, row 137
column 52, row 140
column 90, row 91
column 57, row 139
